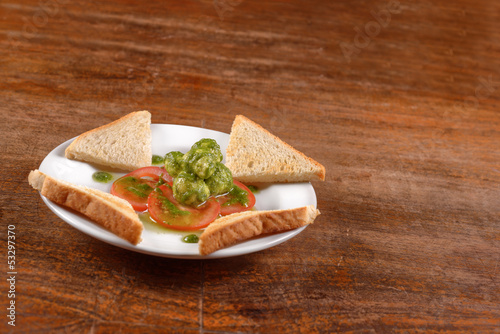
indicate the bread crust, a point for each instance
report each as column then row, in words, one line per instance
column 108, row 211
column 232, row 229
column 266, row 175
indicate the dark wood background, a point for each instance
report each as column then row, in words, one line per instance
column 398, row 99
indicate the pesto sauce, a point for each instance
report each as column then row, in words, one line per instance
column 238, row 195
column 253, row 189
column 103, row 177
column 137, row 192
column 157, row 160
column 191, row 239
column 141, row 190
column 167, row 205
column 162, row 182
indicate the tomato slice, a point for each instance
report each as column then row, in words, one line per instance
column 167, row 211
column 230, row 203
column 152, row 172
column 136, row 186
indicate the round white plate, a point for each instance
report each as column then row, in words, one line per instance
column 163, row 242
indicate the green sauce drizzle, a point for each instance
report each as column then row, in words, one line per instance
column 141, row 190
column 238, row 195
column 253, row 189
column 191, row 239
column 137, row 192
column 169, row 206
column 103, row 177
column 157, row 160
column 162, row 182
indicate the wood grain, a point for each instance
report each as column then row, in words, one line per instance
column 407, row 126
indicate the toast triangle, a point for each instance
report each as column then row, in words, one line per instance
column 237, row 227
column 123, row 144
column 255, row 155
column 110, row 212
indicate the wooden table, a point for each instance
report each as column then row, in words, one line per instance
column 399, row 100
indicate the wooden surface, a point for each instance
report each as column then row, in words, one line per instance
column 404, row 116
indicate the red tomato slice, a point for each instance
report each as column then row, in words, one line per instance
column 165, row 210
column 136, row 186
column 230, row 204
column 153, row 173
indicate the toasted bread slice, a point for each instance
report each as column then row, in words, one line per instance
column 237, row 227
column 123, row 144
column 256, row 155
column 110, row 212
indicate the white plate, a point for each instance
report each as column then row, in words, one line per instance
column 165, row 243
